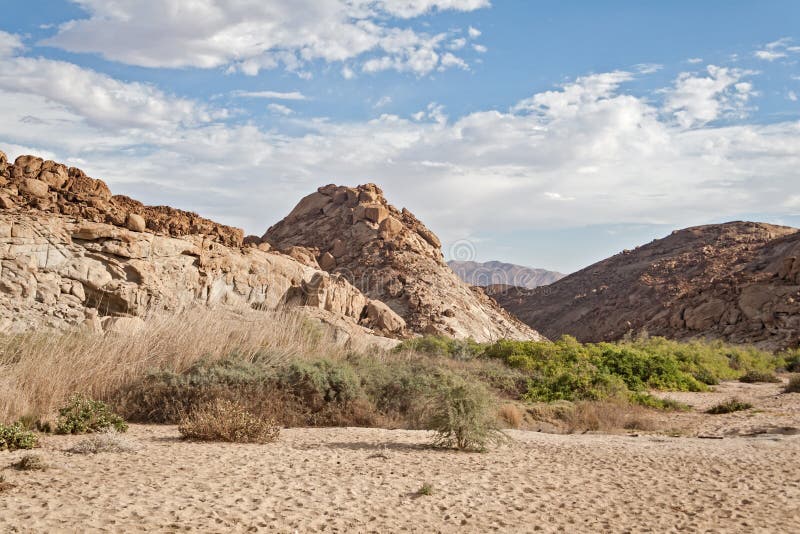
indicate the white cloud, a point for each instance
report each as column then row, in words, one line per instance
column 271, row 95
column 613, row 156
column 9, row 44
column 791, row 95
column 769, row 55
column 694, row 60
column 457, row 44
column 279, row 109
column 254, row 35
column 698, row 100
column 777, row 50
column 383, row 101
column 99, row 99
column 480, row 48
column 474, row 33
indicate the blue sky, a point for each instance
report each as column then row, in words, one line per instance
column 545, row 133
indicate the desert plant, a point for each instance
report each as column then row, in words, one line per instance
column 109, row 441
column 462, row 415
column 793, row 386
column 730, row 406
column 13, row 437
column 426, row 489
column 30, row 462
column 82, row 415
column 755, row 377
column 224, row 420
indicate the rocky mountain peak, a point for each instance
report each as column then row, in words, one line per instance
column 390, row 255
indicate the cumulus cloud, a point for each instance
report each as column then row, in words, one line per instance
column 9, row 43
column 697, row 100
column 587, row 152
column 254, row 35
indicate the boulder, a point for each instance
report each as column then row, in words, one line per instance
column 327, row 262
column 382, row 317
column 135, row 223
column 34, row 187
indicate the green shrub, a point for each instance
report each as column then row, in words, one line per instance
column 733, row 405
column 756, row 377
column 224, row 420
column 657, row 403
column 569, row 370
column 791, row 360
column 463, row 416
column 82, row 415
column 461, row 349
column 15, row 437
column 793, row 386
column 319, row 382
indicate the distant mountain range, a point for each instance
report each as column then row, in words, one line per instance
column 494, row 273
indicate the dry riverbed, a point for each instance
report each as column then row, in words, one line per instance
column 368, row 480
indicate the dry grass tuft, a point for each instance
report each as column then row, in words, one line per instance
column 511, row 415
column 793, row 386
column 30, row 462
column 110, row 441
column 101, row 365
column 224, row 420
column 595, row 416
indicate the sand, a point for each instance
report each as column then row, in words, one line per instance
column 367, row 480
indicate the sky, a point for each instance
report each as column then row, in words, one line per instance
column 539, row 132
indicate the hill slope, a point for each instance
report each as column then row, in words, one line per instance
column 739, row 282
column 499, row 273
column 391, row 256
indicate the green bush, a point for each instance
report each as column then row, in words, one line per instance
column 15, row 437
column 733, row 405
column 649, row 401
column 463, row 416
column 569, row 370
column 460, row 349
column 82, row 415
column 756, row 377
column 791, row 360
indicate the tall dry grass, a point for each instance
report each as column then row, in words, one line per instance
column 40, row 370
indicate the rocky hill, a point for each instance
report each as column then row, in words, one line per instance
column 72, row 254
column 739, row 282
column 392, row 257
column 492, row 273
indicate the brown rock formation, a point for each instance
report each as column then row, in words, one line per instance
column 739, row 282
column 71, row 254
column 393, row 258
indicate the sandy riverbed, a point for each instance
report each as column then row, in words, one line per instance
column 366, row 480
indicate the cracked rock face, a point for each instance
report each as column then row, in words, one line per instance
column 738, row 282
column 392, row 258
column 73, row 255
